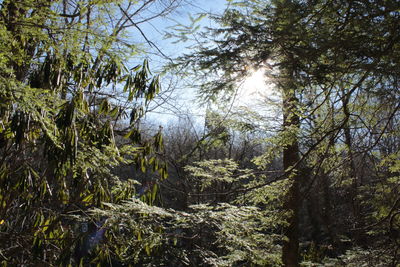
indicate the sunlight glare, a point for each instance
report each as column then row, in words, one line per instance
column 253, row 88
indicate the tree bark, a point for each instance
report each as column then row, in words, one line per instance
column 353, row 192
column 291, row 125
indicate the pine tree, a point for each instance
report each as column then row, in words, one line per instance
column 321, row 53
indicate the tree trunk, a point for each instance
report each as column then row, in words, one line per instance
column 291, row 125
column 353, row 192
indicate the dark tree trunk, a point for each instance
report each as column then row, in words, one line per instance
column 353, row 192
column 291, row 124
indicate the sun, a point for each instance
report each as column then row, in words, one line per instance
column 254, row 87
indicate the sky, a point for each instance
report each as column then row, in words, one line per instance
column 182, row 100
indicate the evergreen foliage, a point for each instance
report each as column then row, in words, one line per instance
column 62, row 64
column 332, row 63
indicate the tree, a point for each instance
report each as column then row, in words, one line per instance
column 321, row 53
column 61, row 70
column 186, row 143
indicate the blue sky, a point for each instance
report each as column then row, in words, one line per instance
column 183, row 99
column 255, row 94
